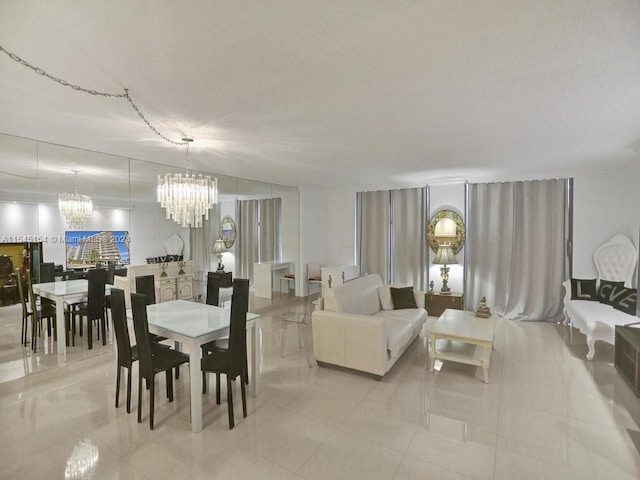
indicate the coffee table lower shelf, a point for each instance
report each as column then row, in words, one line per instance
column 460, row 337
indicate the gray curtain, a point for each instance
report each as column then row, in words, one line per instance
column 258, row 234
column 246, row 238
column 409, row 247
column 391, row 235
column 270, row 242
column 515, row 248
column 373, row 234
column 201, row 241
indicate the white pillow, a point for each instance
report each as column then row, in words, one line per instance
column 384, row 293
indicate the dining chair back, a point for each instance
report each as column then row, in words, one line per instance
column 232, row 362
column 150, row 363
column 127, row 354
column 111, row 273
column 213, row 290
column 145, row 285
column 47, row 272
column 26, row 310
column 94, row 308
column 238, row 326
column 45, row 310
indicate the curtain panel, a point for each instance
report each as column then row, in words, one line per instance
column 246, row 238
column 373, row 241
column 409, row 247
column 514, row 252
column 258, row 236
column 391, row 235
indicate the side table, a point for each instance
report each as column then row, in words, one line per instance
column 225, row 279
column 436, row 303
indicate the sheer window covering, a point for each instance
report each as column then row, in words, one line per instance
column 514, row 251
column 391, row 235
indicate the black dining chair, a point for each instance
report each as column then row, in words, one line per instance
column 39, row 312
column 151, row 364
column 47, row 272
column 146, row 285
column 94, row 308
column 232, row 362
column 27, row 313
column 111, row 273
column 213, row 296
column 127, row 354
column 213, row 290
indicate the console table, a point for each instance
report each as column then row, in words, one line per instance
column 266, row 275
column 225, row 279
column 436, row 303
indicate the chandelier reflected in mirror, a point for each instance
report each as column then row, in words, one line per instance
column 75, row 208
column 187, row 197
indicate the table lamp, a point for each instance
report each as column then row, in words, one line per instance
column 444, row 257
column 218, row 248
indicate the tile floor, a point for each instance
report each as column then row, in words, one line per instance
column 547, row 414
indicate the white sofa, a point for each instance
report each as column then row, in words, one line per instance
column 353, row 330
column 615, row 261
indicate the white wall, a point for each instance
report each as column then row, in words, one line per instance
column 606, row 203
column 149, row 230
column 314, row 231
column 341, row 228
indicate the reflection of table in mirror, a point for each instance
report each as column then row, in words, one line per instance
column 267, row 274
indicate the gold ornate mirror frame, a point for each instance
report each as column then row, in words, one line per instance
column 456, row 241
column 228, row 231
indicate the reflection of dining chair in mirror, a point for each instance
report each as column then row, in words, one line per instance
column 314, row 275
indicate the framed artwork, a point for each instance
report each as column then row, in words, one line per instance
column 86, row 248
column 228, row 231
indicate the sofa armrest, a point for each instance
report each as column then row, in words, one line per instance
column 350, row 340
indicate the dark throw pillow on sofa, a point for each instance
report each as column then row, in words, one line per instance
column 582, row 289
column 606, row 289
column 403, row 298
column 624, row 299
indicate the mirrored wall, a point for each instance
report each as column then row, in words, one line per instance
column 34, row 173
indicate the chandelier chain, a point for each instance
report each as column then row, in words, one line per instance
column 78, row 88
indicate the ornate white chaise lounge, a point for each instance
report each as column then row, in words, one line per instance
column 615, row 261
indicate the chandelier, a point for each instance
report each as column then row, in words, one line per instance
column 75, row 208
column 187, row 197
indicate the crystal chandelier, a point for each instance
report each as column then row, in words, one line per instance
column 75, row 208
column 187, row 198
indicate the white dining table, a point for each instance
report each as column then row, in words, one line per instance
column 193, row 324
column 60, row 292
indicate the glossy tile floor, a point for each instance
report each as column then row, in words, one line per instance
column 547, row 414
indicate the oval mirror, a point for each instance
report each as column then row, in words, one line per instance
column 228, row 231
column 446, row 226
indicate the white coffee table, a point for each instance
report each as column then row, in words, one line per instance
column 470, row 339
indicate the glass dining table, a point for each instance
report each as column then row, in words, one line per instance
column 61, row 292
column 193, row 324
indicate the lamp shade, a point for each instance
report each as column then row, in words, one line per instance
column 219, row 246
column 445, row 256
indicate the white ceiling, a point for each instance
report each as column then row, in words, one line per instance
column 353, row 94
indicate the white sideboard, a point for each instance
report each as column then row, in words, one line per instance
column 267, row 274
column 173, row 286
